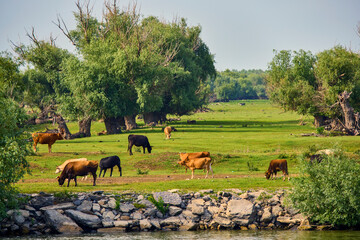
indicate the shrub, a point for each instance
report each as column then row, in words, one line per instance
column 251, row 167
column 142, row 172
column 328, row 192
column 160, row 205
column 320, row 130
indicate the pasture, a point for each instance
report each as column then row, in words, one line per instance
column 242, row 140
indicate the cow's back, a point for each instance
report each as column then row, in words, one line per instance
column 194, row 155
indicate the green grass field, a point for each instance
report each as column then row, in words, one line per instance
column 241, row 139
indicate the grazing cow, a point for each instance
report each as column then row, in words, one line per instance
column 110, row 162
column 139, row 140
column 62, row 166
column 197, row 163
column 47, row 138
column 194, row 155
column 275, row 166
column 167, row 132
column 80, row 168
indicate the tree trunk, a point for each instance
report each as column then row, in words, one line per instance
column 319, row 120
column 85, row 126
column 62, row 124
column 152, row 118
column 112, row 125
column 348, row 113
column 130, row 122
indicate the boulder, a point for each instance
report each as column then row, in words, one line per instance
column 174, row 211
column 86, row 221
column 60, row 223
column 127, row 207
column 59, row 206
column 168, row 198
column 85, row 206
column 240, row 208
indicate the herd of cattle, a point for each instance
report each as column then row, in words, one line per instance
column 73, row 168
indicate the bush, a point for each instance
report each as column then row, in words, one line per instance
column 328, row 192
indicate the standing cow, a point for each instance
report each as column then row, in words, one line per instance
column 47, row 138
column 139, row 140
column 80, row 168
column 110, row 162
column 168, row 130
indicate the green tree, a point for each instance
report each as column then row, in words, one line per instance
column 13, row 150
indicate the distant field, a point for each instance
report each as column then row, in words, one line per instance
column 241, row 139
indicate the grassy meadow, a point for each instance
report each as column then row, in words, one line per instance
column 242, row 139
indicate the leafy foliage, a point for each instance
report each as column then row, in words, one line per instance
column 328, row 191
column 160, row 205
column 13, row 150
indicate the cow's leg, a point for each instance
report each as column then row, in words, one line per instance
column 104, row 172
column 49, row 147
column 75, row 181
column 34, row 146
column 69, row 181
column 100, row 172
column 120, row 170
column 192, row 173
column 111, row 171
column 129, row 149
column 207, row 172
column 94, row 176
column 143, row 149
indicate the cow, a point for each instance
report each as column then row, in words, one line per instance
column 80, row 168
column 167, row 132
column 194, row 155
column 62, row 166
column 275, row 166
column 110, row 162
column 138, row 140
column 47, row 138
column 197, row 163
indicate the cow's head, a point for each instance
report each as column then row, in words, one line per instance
column 267, row 174
column 149, row 148
column 181, row 162
column 61, row 180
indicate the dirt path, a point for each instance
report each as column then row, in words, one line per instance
column 141, row 179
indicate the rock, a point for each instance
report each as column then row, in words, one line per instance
column 96, row 207
column 213, row 210
column 197, row 209
column 61, row 223
column 240, row 208
column 31, row 209
column 86, row 221
column 240, row 221
column 150, row 212
column 276, row 210
column 18, row 218
column 122, row 223
column 168, row 198
column 136, row 216
column 200, row 202
column 59, row 206
column 41, row 201
column 223, row 222
column 266, row 216
column 147, row 203
column 252, row 227
column 108, row 216
column 171, row 221
column 112, row 203
column 145, row 224
column 174, row 211
column 207, row 191
column 284, row 220
column 127, row 207
column 155, row 223
column 107, row 223
column 85, row 206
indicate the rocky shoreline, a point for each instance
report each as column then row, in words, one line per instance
column 66, row 213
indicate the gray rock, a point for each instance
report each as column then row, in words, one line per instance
column 207, row 191
column 174, row 211
column 171, row 221
column 168, row 198
column 58, row 206
column 31, row 209
column 18, row 218
column 86, row 221
column 213, row 210
column 108, row 216
column 240, row 208
column 85, row 206
column 155, row 223
column 112, row 203
column 127, row 207
column 147, row 203
column 41, row 201
column 223, row 222
column 136, row 216
column 276, row 210
column 241, row 222
column 61, row 223
column 107, row 224
column 197, row 209
column 96, row 207
column 150, row 212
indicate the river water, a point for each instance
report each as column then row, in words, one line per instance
column 213, row 235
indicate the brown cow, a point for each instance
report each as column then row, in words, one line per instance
column 167, row 132
column 197, row 163
column 80, row 168
column 275, row 166
column 62, row 166
column 194, row 155
column 47, row 138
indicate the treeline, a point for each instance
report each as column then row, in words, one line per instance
column 235, row 84
column 124, row 65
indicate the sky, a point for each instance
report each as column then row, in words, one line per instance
column 241, row 34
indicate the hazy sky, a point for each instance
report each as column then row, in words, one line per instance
column 241, row 34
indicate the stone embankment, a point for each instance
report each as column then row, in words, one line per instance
column 102, row 212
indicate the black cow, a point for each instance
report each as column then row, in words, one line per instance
column 138, row 140
column 110, row 162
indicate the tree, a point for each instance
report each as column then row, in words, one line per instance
column 13, row 150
